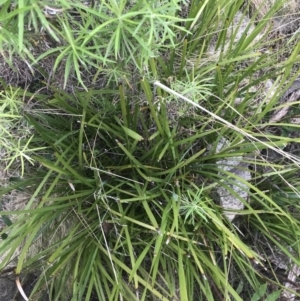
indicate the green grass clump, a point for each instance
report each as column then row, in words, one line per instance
column 122, row 178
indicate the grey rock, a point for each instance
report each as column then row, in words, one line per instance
column 230, row 194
